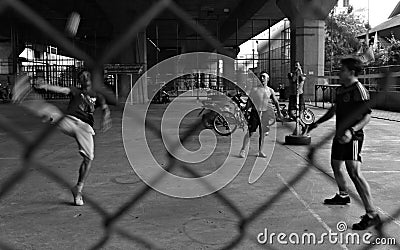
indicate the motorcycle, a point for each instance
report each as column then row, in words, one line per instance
column 224, row 116
column 161, row 97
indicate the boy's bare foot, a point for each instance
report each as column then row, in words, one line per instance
column 78, row 199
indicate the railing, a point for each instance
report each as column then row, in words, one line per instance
column 379, row 82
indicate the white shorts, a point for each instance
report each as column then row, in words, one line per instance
column 82, row 132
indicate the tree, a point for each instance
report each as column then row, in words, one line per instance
column 342, row 30
column 393, row 51
column 388, row 53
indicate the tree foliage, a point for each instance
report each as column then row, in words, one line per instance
column 393, row 51
column 387, row 54
column 342, row 30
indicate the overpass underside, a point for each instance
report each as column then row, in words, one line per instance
column 121, row 40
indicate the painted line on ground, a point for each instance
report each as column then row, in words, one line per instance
column 397, row 222
column 307, row 206
column 373, row 171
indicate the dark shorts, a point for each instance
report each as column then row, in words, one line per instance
column 349, row 151
column 264, row 119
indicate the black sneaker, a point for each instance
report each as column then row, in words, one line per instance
column 367, row 222
column 337, row 200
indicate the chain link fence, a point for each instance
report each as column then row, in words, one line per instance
column 110, row 219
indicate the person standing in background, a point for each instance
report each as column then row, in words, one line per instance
column 296, row 81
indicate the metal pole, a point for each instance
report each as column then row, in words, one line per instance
column 252, row 41
column 116, row 87
column 218, row 73
column 368, row 15
column 253, row 57
column 315, row 94
column 331, row 69
column 131, row 78
column 297, row 107
column 237, row 30
column 14, row 52
column 95, row 44
column 269, row 48
column 157, row 43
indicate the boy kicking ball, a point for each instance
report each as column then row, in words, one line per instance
column 77, row 123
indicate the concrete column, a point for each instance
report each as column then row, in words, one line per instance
column 228, row 71
column 310, row 51
column 135, row 54
column 141, row 58
column 6, row 58
column 307, row 27
column 228, row 66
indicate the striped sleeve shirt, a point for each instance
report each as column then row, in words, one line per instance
column 352, row 104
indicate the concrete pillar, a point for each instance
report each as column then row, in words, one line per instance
column 228, row 71
column 307, row 27
column 310, row 51
column 6, row 58
column 228, row 66
column 136, row 55
column 141, row 58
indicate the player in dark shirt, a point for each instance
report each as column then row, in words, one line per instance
column 78, row 123
column 353, row 113
column 83, row 104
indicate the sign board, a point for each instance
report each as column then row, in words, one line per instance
column 123, row 68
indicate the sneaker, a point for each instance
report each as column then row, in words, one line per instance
column 242, row 153
column 367, row 221
column 338, row 200
column 78, row 198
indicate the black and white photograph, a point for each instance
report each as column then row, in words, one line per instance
column 202, row 124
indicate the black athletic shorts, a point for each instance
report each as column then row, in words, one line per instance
column 263, row 119
column 349, row 151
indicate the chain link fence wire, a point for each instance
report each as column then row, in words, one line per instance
column 109, row 219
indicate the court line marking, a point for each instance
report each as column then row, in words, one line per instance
column 394, row 220
column 397, row 222
column 373, row 171
column 306, row 205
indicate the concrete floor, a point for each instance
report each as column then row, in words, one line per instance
column 38, row 212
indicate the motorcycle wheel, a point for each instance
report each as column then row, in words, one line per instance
column 307, row 117
column 225, row 123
